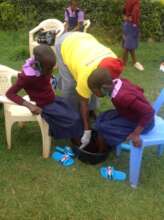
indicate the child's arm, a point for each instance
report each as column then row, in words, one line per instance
column 146, row 113
column 14, row 89
column 33, row 108
column 12, row 95
column 135, row 136
column 66, row 25
column 135, row 16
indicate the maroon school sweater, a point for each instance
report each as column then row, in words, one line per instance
column 132, row 9
column 131, row 103
column 38, row 88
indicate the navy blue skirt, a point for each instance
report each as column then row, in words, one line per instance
column 115, row 129
column 63, row 121
column 130, row 36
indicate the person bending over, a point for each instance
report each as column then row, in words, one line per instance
column 78, row 56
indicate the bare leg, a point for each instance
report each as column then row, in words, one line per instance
column 133, row 56
column 125, row 55
column 136, row 64
column 100, row 142
column 75, row 142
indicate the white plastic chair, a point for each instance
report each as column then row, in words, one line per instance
column 46, row 25
column 16, row 113
column 86, row 24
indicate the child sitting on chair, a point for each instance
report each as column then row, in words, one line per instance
column 35, row 78
column 74, row 17
column 133, row 114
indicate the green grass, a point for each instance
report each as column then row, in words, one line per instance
column 33, row 188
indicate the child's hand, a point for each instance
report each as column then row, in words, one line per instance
column 129, row 18
column 35, row 109
column 135, row 138
column 125, row 18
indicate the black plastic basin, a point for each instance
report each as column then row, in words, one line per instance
column 89, row 157
column 91, row 153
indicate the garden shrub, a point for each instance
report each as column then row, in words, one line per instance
column 16, row 14
column 7, row 12
column 152, row 24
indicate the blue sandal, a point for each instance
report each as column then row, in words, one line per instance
column 60, row 151
column 66, row 160
column 63, row 156
column 110, row 173
column 65, row 150
column 57, row 156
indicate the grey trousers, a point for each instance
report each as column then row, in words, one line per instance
column 66, row 82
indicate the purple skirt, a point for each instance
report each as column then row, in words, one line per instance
column 115, row 128
column 64, row 122
column 130, row 36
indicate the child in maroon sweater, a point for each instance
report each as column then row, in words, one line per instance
column 35, row 78
column 132, row 116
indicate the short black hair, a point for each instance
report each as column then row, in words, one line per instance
column 73, row 1
column 44, row 53
column 99, row 77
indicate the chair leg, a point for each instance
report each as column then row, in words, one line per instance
column 46, row 147
column 118, row 150
column 160, row 149
column 120, row 147
column 135, row 165
column 8, row 127
column 46, row 139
